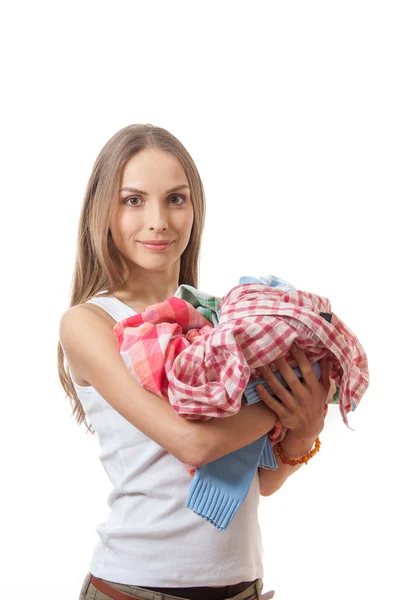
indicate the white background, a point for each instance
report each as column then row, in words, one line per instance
column 291, row 113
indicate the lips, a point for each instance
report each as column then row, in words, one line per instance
column 157, row 242
column 157, row 245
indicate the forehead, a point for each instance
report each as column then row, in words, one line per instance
column 153, row 168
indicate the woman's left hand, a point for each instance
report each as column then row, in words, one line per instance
column 303, row 407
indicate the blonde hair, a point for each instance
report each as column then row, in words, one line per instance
column 98, row 265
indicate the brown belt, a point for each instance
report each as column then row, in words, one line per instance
column 102, row 586
column 110, row 591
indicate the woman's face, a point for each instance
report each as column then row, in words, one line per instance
column 150, row 211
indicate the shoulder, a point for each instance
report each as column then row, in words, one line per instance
column 84, row 324
column 81, row 314
column 84, row 330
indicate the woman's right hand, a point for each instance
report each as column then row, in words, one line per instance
column 301, row 408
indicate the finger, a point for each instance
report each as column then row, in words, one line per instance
column 270, row 401
column 305, row 366
column 323, row 363
column 290, row 377
column 331, row 390
column 279, row 390
column 327, row 382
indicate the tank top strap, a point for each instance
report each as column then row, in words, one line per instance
column 114, row 307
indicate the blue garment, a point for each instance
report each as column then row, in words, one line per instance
column 270, row 281
column 219, row 488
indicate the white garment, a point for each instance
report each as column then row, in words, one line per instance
column 150, row 538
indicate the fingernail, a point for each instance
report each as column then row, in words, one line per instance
column 294, row 347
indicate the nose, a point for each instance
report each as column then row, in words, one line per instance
column 156, row 218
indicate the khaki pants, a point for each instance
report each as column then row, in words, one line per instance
column 89, row 592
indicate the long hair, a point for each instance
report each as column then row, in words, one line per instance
column 99, row 266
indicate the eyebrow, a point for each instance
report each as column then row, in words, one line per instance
column 174, row 189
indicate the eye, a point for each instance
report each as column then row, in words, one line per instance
column 132, row 198
column 180, row 197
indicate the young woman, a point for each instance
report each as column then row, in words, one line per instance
column 139, row 239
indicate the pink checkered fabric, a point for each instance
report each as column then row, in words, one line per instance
column 150, row 341
column 203, row 371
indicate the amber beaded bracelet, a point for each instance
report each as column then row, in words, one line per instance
column 298, row 461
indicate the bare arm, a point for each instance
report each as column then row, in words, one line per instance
column 89, row 342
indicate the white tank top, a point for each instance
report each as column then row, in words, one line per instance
column 150, row 538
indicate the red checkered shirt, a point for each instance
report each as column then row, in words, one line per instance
column 173, row 351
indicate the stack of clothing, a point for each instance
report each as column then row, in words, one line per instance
column 201, row 354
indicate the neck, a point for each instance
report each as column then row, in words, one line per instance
column 150, row 287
